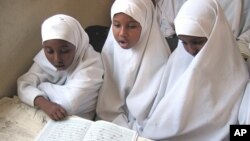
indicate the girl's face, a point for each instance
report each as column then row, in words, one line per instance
column 192, row 44
column 126, row 30
column 60, row 53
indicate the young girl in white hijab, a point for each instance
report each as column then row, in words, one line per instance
column 133, row 57
column 204, row 80
column 67, row 72
column 237, row 13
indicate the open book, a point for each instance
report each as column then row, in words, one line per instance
column 78, row 129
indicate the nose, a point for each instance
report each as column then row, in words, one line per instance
column 123, row 31
column 58, row 58
column 191, row 49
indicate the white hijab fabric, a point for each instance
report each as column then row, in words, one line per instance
column 236, row 11
column 243, row 21
column 199, row 96
column 132, row 76
column 167, row 11
column 244, row 112
column 238, row 15
column 76, row 88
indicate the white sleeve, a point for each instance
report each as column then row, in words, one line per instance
column 27, row 85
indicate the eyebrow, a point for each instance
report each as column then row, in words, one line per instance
column 62, row 46
column 134, row 22
column 131, row 21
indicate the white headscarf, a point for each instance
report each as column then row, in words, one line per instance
column 199, row 96
column 132, row 76
column 237, row 13
column 76, row 88
column 66, row 28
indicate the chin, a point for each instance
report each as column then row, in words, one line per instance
column 60, row 69
column 125, row 47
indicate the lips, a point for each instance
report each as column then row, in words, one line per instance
column 123, row 43
column 60, row 67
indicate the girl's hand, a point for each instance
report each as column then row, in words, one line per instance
column 53, row 110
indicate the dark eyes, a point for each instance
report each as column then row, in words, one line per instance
column 65, row 50
column 129, row 26
column 116, row 25
column 51, row 51
column 184, row 43
column 198, row 42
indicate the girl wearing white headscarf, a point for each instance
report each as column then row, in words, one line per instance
column 132, row 76
column 237, row 13
column 75, row 89
column 199, row 97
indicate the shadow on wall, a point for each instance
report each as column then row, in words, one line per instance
column 20, row 37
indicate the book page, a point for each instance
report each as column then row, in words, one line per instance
column 106, row 131
column 71, row 129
